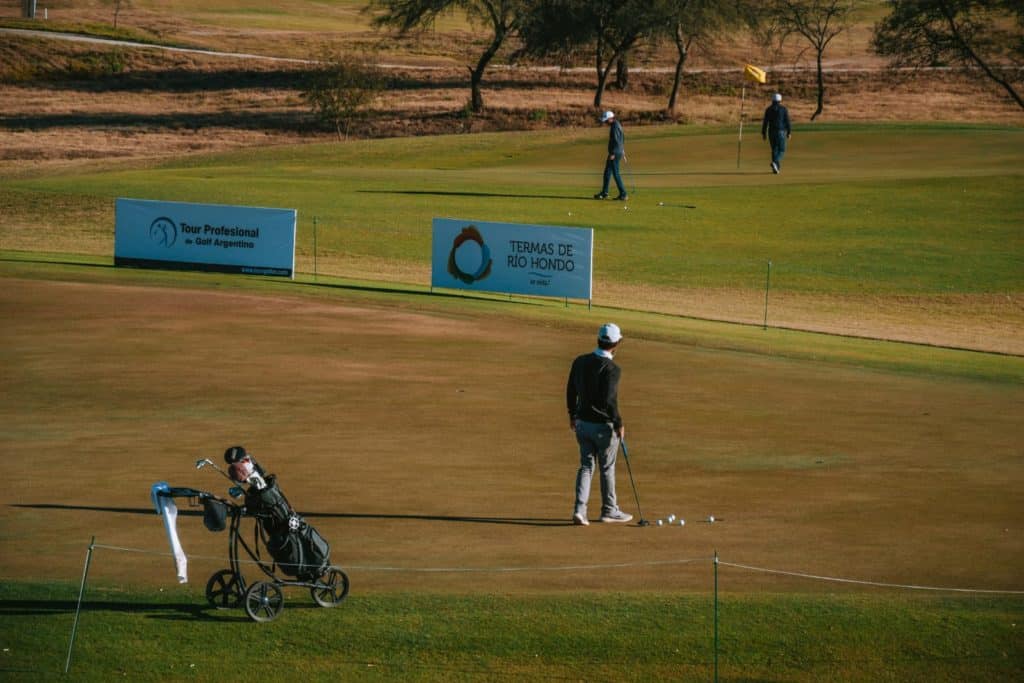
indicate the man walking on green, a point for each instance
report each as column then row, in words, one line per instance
column 592, row 398
column 776, row 130
column 616, row 153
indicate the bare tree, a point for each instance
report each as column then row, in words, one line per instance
column 608, row 28
column 118, row 5
column 340, row 88
column 984, row 34
column 701, row 22
column 818, row 22
column 502, row 17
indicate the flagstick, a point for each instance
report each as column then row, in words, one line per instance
column 739, row 142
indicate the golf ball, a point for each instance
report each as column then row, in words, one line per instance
column 661, row 522
column 661, row 203
column 711, row 518
column 682, row 522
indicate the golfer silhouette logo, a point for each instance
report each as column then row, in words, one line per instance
column 470, row 259
column 164, row 232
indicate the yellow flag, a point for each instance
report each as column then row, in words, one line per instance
column 754, row 74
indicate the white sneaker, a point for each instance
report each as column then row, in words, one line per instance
column 617, row 516
column 775, row 167
column 580, row 519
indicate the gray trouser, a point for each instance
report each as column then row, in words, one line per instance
column 778, row 142
column 598, row 443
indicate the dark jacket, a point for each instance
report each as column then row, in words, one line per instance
column 776, row 119
column 616, row 139
column 592, row 392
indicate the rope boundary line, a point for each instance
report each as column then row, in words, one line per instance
column 590, row 567
column 869, row 583
column 437, row 570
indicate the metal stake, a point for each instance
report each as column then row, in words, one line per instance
column 716, row 615
column 78, row 609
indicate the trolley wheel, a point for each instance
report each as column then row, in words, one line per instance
column 224, row 589
column 264, row 601
column 331, row 588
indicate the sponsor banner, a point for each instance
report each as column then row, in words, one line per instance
column 540, row 260
column 212, row 237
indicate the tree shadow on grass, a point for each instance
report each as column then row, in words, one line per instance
column 465, row 519
column 179, row 121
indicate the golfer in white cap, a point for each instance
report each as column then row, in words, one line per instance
column 616, row 153
column 592, row 398
column 776, row 130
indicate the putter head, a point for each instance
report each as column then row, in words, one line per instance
column 200, row 464
column 643, row 522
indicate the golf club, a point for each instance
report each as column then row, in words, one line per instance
column 629, row 171
column 625, row 453
column 200, row 464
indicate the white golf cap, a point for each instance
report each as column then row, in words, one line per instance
column 607, row 116
column 777, row 97
column 610, row 333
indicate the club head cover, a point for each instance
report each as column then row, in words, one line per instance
column 234, row 454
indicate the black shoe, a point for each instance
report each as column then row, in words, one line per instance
column 601, row 195
column 621, row 198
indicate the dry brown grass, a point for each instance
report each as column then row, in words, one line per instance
column 410, row 439
column 173, row 104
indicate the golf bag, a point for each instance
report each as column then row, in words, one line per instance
column 298, row 549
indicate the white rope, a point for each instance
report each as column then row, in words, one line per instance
column 561, row 568
column 372, row 568
column 590, row 567
column 868, row 583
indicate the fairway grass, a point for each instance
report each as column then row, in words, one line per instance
column 423, row 432
column 687, row 331
column 173, row 634
column 903, row 232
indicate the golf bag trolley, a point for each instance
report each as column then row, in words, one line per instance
column 287, row 550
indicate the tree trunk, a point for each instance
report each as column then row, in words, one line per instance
column 603, row 70
column 602, row 77
column 973, row 56
column 821, row 89
column 682, row 48
column 622, row 71
column 476, row 75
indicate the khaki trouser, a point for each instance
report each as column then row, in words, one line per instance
column 599, row 444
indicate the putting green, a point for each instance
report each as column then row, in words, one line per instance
column 902, row 232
